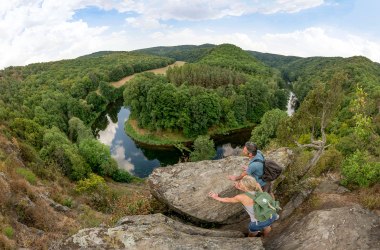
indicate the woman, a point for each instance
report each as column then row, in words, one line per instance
column 249, row 185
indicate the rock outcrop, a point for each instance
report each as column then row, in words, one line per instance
column 157, row 232
column 346, row 228
column 184, row 187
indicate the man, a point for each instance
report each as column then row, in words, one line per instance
column 254, row 168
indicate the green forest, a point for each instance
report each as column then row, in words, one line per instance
column 51, row 106
column 226, row 89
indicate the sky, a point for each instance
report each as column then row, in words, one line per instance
column 49, row 30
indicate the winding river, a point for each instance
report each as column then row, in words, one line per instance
column 140, row 160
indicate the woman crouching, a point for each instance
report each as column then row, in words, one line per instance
column 249, row 185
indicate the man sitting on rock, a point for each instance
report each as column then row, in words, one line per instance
column 255, row 166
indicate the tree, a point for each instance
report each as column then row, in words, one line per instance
column 315, row 113
column 266, row 131
column 203, row 149
column 57, row 148
column 98, row 157
column 78, row 130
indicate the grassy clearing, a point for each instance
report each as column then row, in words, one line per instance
column 27, row 174
column 166, row 138
column 154, row 138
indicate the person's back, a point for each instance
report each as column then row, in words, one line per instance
column 256, row 168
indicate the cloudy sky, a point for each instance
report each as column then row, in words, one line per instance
column 46, row 30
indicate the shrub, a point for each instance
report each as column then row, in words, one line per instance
column 68, row 202
column 358, row 170
column 90, row 184
column 121, row 175
column 8, row 231
column 266, row 131
column 27, row 174
column 203, row 149
column 98, row 194
column 331, row 159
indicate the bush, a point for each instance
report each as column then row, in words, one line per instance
column 331, row 159
column 90, row 184
column 358, row 170
column 266, row 131
column 203, row 149
column 27, row 174
column 8, row 231
column 122, row 176
column 97, row 193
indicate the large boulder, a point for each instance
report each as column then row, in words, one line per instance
column 350, row 227
column 184, row 187
column 157, row 232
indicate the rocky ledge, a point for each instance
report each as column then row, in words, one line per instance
column 157, row 231
column 350, row 227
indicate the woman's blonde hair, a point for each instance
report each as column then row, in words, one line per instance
column 249, row 183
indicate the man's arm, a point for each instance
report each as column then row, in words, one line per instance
column 237, row 178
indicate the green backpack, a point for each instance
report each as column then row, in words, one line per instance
column 265, row 206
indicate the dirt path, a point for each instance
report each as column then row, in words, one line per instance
column 155, row 71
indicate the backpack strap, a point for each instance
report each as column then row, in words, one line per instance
column 258, row 160
column 250, row 195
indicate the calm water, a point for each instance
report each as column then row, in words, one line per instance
column 136, row 159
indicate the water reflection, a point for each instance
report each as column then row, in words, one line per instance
column 129, row 156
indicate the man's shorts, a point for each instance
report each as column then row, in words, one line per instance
column 258, row 226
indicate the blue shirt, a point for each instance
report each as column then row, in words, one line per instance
column 256, row 169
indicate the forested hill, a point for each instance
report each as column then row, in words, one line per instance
column 231, row 56
column 304, row 73
column 188, row 53
column 273, row 60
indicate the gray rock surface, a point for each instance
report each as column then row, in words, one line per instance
column 157, row 232
column 294, row 203
column 339, row 228
column 184, row 187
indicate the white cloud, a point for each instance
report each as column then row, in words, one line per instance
column 144, row 23
column 153, row 11
column 205, row 9
column 119, row 155
column 288, row 6
column 317, row 41
column 107, row 136
column 33, row 31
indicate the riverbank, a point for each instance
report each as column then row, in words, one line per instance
column 169, row 140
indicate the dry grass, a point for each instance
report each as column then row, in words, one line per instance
column 161, row 71
column 7, row 244
column 370, row 198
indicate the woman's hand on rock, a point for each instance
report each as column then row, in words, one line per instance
column 213, row 195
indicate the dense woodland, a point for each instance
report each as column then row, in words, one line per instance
column 224, row 89
column 50, row 107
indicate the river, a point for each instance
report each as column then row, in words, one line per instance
column 138, row 160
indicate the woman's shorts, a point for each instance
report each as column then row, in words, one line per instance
column 258, row 226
